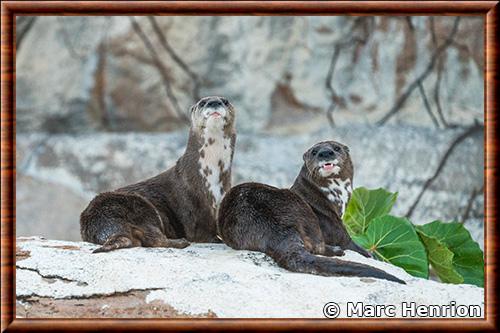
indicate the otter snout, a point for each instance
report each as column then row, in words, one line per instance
column 213, row 106
column 212, row 112
column 326, row 153
column 327, row 162
column 214, row 103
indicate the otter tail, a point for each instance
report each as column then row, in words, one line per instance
column 301, row 261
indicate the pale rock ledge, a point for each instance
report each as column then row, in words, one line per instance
column 64, row 279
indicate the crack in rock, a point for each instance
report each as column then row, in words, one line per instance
column 26, row 298
column 53, row 277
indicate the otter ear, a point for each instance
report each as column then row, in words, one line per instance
column 346, row 149
column 191, row 109
column 304, row 156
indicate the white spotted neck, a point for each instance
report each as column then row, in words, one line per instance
column 339, row 192
column 215, row 159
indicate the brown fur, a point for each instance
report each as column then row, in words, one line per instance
column 169, row 209
column 294, row 226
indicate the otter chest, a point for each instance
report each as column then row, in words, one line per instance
column 215, row 163
column 338, row 191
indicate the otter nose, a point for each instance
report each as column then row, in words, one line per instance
column 326, row 153
column 214, row 103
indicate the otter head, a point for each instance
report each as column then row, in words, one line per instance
column 330, row 168
column 328, row 160
column 212, row 113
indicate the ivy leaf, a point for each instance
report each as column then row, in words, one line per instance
column 465, row 265
column 366, row 205
column 394, row 240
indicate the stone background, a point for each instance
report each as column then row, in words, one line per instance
column 101, row 102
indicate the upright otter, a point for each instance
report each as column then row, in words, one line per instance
column 294, row 226
column 178, row 205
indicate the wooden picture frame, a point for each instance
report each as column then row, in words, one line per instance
column 11, row 9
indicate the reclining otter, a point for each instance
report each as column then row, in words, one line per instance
column 295, row 226
column 178, row 205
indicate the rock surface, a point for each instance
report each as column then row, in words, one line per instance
column 82, row 73
column 46, row 207
column 58, row 174
column 60, row 278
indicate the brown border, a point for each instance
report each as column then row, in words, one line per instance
column 487, row 9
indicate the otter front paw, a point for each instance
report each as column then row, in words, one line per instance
column 333, row 251
column 355, row 247
column 364, row 252
column 177, row 243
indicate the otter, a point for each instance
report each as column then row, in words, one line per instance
column 179, row 205
column 301, row 227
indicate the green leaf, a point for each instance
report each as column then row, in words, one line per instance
column 366, row 205
column 394, row 240
column 467, row 263
column 441, row 259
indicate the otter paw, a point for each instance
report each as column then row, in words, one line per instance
column 365, row 253
column 369, row 255
column 334, row 251
column 178, row 243
column 114, row 243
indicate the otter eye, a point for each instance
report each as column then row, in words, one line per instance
column 314, row 152
column 336, row 148
column 224, row 101
column 202, row 104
